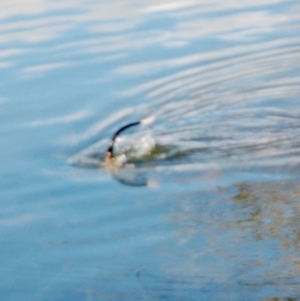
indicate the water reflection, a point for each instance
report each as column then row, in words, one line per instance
column 272, row 211
column 133, row 176
column 250, row 23
column 242, row 238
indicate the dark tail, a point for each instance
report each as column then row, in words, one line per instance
column 110, row 149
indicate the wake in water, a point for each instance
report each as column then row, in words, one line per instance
column 239, row 111
column 124, row 153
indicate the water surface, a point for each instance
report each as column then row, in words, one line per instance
column 223, row 82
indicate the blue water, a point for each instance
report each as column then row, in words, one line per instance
column 219, row 219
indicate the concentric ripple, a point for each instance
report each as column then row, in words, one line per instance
column 240, row 107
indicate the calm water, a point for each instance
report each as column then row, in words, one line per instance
column 222, row 221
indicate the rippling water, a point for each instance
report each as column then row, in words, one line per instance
column 220, row 220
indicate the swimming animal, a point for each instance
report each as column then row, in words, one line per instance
column 119, row 161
